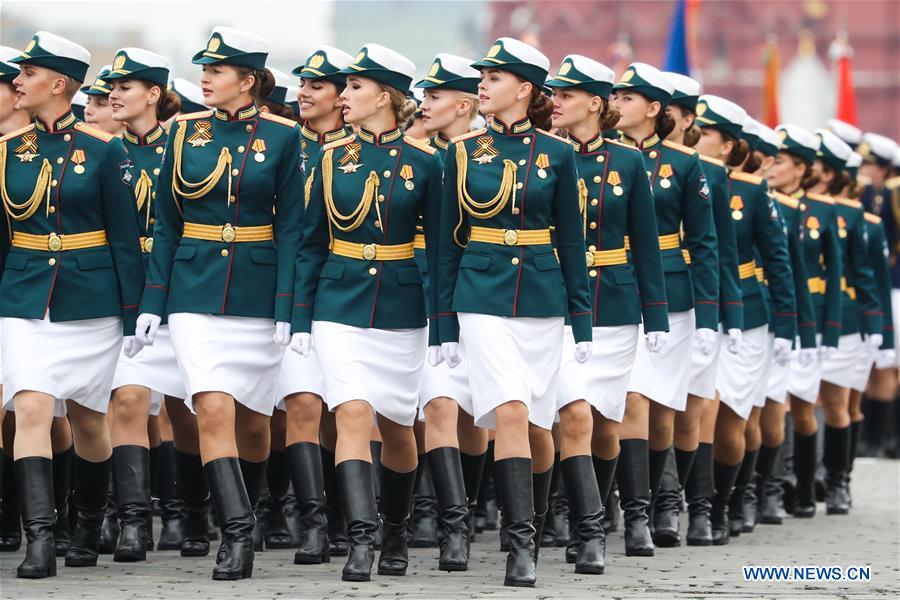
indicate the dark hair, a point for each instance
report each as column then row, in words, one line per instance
column 540, row 108
column 838, row 182
column 692, row 135
column 754, row 162
column 274, row 108
column 609, row 115
column 739, row 150
column 853, row 188
column 808, row 180
column 169, row 102
column 263, row 82
column 664, row 123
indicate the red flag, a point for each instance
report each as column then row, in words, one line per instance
column 841, row 53
column 770, row 84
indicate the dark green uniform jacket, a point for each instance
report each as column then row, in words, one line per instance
column 76, row 178
column 879, row 254
column 790, row 215
column 862, row 311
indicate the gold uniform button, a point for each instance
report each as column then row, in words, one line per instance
column 592, row 272
column 593, row 225
column 387, row 173
column 393, row 153
column 51, row 262
column 235, row 172
column 594, row 202
column 597, row 179
column 159, row 150
column 592, row 248
column 67, row 137
column 249, row 128
column 802, row 206
column 653, row 154
column 377, row 224
column 526, row 140
column 381, row 197
column 53, row 183
column 156, row 171
column 515, row 260
column 60, row 160
column 152, row 220
column 241, row 149
column 520, row 185
column 522, row 162
column 232, row 198
column 373, row 271
column 600, row 158
column 224, row 252
column 515, row 211
column 51, row 209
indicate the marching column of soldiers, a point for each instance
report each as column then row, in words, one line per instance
column 365, row 314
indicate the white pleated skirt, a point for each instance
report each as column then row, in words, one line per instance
column 299, row 374
column 741, row 375
column 804, row 382
column 603, row 380
column 154, row 367
column 71, row 360
column 842, row 366
column 664, row 376
column 762, row 382
column 513, row 358
column 233, row 355
column 777, row 379
column 863, row 368
column 704, row 370
column 443, row 382
column 383, row 367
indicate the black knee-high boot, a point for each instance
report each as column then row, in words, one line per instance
column 765, row 466
column 449, row 484
column 604, row 474
column 724, row 477
column 109, row 529
column 699, row 492
column 556, row 525
column 837, row 462
column 855, row 433
column 193, row 490
column 771, row 502
column 10, row 519
column 277, row 533
column 805, row 470
column 487, row 512
column 254, row 474
column 472, row 468
column 874, row 426
column 736, row 515
column 666, row 504
column 62, row 479
column 357, row 492
column 131, row 478
column 173, row 511
column 396, row 500
column 226, row 479
column 153, row 494
column 334, row 509
column 540, row 485
column 514, row 481
column 34, row 479
column 633, row 477
column 305, row 465
column 91, row 493
column 423, row 532
column 586, row 514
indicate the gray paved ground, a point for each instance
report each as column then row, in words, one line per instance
column 869, row 536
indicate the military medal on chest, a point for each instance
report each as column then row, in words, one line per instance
column 812, row 224
column 406, row 173
column 484, row 151
column 27, row 150
column 259, row 147
column 202, row 134
column 665, row 171
column 348, row 162
column 542, row 162
column 842, row 227
column 79, row 159
column 615, row 180
column 736, row 205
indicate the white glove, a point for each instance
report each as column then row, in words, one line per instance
column 807, row 356
column 282, row 335
column 826, row 351
column 873, row 340
column 734, row 340
column 450, row 352
column 146, row 327
column 131, row 346
column 705, row 339
column 656, row 340
column 434, row 356
column 583, row 351
column 781, row 351
column 301, row 343
column 886, row 359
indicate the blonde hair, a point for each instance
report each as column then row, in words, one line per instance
column 403, row 107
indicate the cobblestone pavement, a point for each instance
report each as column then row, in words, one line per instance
column 869, row 536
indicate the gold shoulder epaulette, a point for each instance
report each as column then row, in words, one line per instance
column 821, row 198
column 554, row 136
column 621, row 144
column 17, row 132
column 195, row 115
column 712, row 161
column 423, row 145
column 471, row 134
column 339, row 143
column 745, row 177
column 786, row 200
column 872, row 218
column 683, row 149
column 848, row 202
column 277, row 119
column 893, row 183
column 94, row 132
